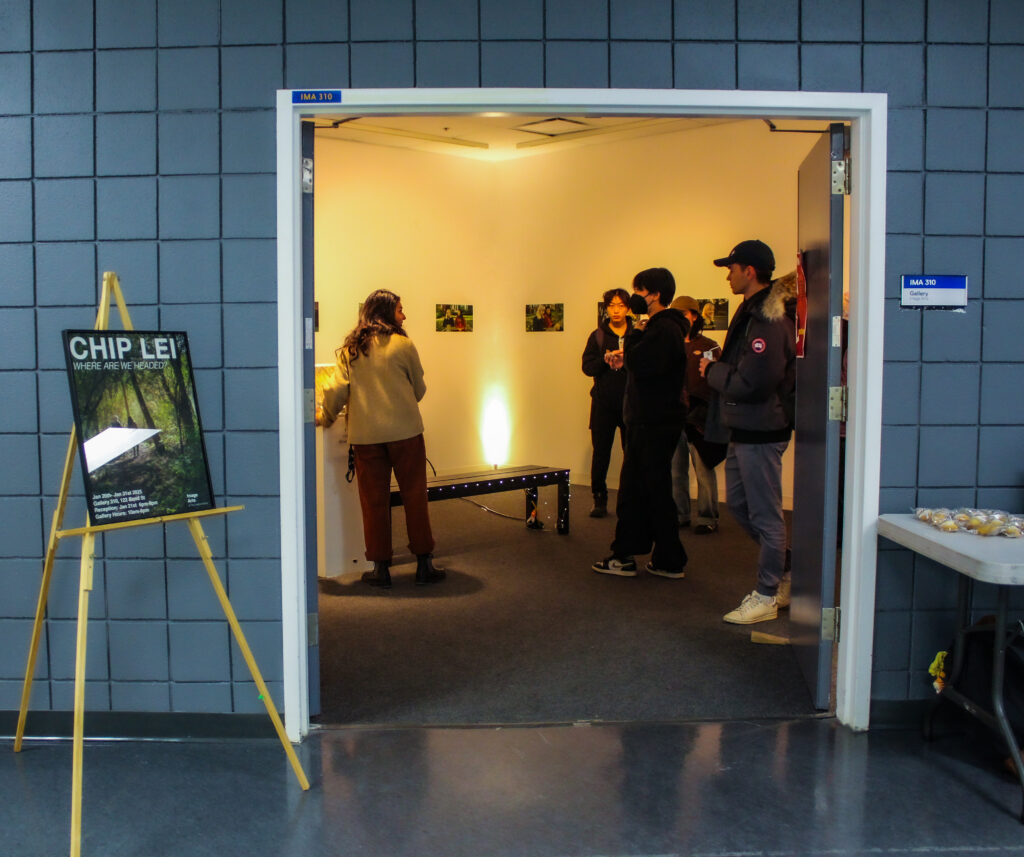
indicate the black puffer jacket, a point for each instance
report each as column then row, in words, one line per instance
column 756, row 376
column 609, row 384
column 656, row 371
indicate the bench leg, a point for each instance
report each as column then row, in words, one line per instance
column 563, row 508
column 533, row 520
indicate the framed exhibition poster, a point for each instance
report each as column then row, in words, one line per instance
column 140, row 439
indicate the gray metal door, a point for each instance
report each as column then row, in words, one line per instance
column 308, row 429
column 816, row 478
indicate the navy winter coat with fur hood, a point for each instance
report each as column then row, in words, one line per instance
column 756, row 376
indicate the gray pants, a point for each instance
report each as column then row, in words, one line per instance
column 753, row 484
column 707, row 484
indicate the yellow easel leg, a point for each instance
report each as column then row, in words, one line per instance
column 76, row 766
column 204, row 551
column 44, row 589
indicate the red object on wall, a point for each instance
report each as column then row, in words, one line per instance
column 801, row 304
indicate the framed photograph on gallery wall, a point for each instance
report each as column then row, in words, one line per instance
column 715, row 312
column 140, row 439
column 545, row 317
column 454, row 318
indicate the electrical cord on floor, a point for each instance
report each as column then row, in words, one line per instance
column 486, row 508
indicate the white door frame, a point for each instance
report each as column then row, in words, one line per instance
column 866, row 113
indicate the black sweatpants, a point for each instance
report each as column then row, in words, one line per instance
column 646, row 510
column 603, row 422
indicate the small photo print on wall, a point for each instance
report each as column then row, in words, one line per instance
column 457, row 318
column 542, row 317
column 715, row 312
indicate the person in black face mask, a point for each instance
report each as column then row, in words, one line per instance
column 654, row 357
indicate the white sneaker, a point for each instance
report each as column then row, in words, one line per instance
column 782, row 596
column 754, row 608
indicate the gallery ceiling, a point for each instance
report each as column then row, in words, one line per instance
column 506, row 136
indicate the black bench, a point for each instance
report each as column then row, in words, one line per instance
column 528, row 477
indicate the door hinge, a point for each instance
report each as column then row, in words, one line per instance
column 309, row 405
column 841, row 176
column 830, row 624
column 837, row 404
column 307, row 175
column 312, row 629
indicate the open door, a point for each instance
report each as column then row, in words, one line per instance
column 308, row 428
column 816, row 470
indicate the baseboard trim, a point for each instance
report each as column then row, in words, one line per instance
column 138, row 725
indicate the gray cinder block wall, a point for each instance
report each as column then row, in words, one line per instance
column 138, row 136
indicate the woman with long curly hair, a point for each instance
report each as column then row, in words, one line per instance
column 380, row 377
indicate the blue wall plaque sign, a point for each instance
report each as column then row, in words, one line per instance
column 316, row 96
column 933, row 290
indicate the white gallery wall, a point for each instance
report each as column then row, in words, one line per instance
column 561, row 227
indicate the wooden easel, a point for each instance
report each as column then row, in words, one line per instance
column 112, row 290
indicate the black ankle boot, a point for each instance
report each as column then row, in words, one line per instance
column 426, row 572
column 600, row 509
column 380, row 576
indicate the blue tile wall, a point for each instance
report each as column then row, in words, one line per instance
column 1001, row 258
column 705, row 66
column 16, row 147
column 576, row 19
column 830, row 68
column 956, row 21
column 501, row 20
column 767, row 66
column 61, row 26
column 955, row 140
column 447, row 64
column 61, row 270
column 135, row 264
column 827, row 21
column 954, row 204
column 1005, row 70
column 774, row 20
column 310, row 66
column 704, row 19
column 512, row 64
column 125, row 144
column 246, row 23
column 125, row 208
column 248, row 142
column 125, row 23
column 1006, row 24
column 18, row 387
column 190, row 272
column 16, row 273
column 125, row 80
column 641, row 65
column 189, row 143
column 199, row 651
column 139, row 136
column 16, row 26
column 640, row 19
column 316, row 21
column 15, row 85
column 187, row 22
column 381, row 64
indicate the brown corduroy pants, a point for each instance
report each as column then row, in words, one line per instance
column 374, row 463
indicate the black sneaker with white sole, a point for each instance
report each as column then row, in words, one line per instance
column 662, row 572
column 619, row 566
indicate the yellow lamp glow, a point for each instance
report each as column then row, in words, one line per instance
column 494, row 428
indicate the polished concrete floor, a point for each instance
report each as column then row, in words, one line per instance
column 797, row 787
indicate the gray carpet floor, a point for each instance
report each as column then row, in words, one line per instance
column 522, row 631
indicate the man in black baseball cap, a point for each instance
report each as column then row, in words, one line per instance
column 754, row 384
column 755, row 253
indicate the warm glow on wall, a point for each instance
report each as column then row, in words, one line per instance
column 495, row 431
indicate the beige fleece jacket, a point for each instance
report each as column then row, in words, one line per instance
column 381, row 388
